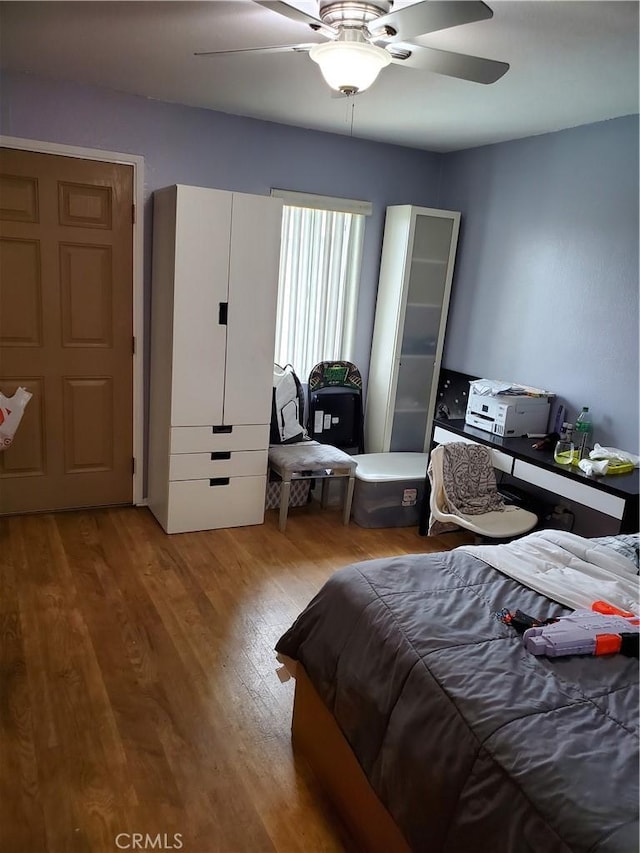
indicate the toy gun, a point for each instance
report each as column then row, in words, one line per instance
column 586, row 632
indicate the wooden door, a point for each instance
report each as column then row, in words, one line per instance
column 66, row 303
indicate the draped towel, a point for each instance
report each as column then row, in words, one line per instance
column 467, row 483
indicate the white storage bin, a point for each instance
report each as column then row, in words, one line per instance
column 389, row 489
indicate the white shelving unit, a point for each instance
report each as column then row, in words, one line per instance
column 416, row 271
column 215, row 279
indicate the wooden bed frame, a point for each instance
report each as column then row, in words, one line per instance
column 317, row 737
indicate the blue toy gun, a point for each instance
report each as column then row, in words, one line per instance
column 585, row 632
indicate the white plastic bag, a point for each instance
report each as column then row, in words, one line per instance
column 594, row 468
column 11, row 411
column 600, row 452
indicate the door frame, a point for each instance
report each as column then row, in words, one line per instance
column 137, row 161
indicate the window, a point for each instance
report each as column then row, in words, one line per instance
column 320, row 261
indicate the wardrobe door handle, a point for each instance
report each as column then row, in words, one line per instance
column 219, row 481
column 223, row 313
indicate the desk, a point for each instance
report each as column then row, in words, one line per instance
column 615, row 496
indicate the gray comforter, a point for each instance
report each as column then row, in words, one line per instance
column 472, row 743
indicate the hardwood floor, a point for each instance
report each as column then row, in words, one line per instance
column 138, row 691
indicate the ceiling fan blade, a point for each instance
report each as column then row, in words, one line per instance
column 428, row 17
column 298, row 15
column 283, row 48
column 473, row 68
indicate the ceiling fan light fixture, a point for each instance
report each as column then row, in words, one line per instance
column 349, row 67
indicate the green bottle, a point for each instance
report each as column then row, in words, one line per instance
column 584, row 431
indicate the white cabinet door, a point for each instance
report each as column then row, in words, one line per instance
column 253, row 286
column 411, row 312
column 426, row 295
column 203, row 228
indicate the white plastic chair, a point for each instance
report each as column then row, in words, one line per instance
column 511, row 522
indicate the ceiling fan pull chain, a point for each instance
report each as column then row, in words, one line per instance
column 348, row 119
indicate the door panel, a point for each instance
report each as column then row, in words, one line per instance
column 253, row 291
column 84, row 205
column 26, row 456
column 203, row 224
column 66, row 325
column 18, row 198
column 88, row 425
column 21, row 288
column 86, row 283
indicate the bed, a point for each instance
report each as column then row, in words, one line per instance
column 435, row 730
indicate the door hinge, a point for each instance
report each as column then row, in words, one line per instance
column 133, row 464
column 133, row 214
column 133, row 345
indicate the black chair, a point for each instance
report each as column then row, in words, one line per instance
column 336, row 412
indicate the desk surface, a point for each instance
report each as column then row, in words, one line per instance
column 623, row 485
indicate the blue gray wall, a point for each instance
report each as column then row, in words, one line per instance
column 546, row 284
column 185, row 145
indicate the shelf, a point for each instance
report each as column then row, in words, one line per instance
column 412, row 410
column 424, row 305
column 437, row 261
column 406, row 355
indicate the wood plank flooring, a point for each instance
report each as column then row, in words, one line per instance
column 138, row 691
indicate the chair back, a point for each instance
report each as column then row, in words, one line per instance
column 436, row 497
column 336, row 412
column 497, row 521
column 335, row 374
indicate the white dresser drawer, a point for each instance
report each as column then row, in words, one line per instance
column 202, row 439
column 205, row 505
column 221, row 463
column 500, row 460
column 579, row 492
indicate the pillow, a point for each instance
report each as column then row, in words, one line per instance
column 626, row 544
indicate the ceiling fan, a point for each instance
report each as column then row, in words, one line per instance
column 364, row 36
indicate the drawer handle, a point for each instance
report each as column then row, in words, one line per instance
column 219, row 481
column 221, row 455
column 218, row 429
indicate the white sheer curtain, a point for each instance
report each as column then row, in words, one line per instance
column 318, row 289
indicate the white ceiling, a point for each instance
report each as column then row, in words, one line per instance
column 572, row 62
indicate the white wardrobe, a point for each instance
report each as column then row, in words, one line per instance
column 416, row 270
column 215, row 277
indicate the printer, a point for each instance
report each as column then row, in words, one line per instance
column 507, row 410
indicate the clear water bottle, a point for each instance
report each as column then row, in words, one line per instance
column 584, row 431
